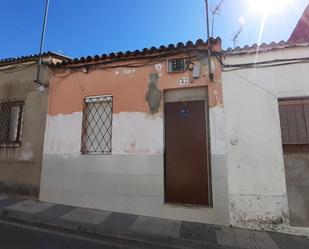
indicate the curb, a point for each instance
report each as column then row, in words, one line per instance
column 127, row 239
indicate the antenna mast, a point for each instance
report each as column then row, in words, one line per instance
column 236, row 36
column 210, row 74
column 216, row 11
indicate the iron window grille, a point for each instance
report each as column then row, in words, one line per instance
column 11, row 119
column 97, row 125
column 176, row 65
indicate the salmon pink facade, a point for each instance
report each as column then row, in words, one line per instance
column 106, row 143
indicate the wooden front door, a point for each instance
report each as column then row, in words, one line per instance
column 186, row 175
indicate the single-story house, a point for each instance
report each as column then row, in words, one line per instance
column 139, row 132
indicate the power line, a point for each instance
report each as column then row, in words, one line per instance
column 258, row 64
column 255, row 84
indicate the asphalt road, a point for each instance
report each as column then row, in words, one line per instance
column 15, row 235
column 20, row 236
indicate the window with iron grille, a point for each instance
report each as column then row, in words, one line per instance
column 294, row 120
column 97, row 125
column 176, row 65
column 11, row 118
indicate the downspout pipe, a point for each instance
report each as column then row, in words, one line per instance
column 38, row 80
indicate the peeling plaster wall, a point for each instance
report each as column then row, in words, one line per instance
column 131, row 180
column 256, row 175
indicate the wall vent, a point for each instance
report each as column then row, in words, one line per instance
column 176, row 65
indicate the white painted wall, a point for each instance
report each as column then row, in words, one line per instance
column 218, row 165
column 137, row 133
column 131, row 180
column 134, row 132
column 256, row 178
column 63, row 134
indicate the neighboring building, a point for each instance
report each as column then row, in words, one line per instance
column 139, row 132
column 23, row 108
column 266, row 105
column 301, row 31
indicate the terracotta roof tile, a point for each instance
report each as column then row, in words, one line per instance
column 264, row 47
column 146, row 51
column 8, row 61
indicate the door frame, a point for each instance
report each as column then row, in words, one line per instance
column 190, row 94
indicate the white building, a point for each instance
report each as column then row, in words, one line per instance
column 266, row 104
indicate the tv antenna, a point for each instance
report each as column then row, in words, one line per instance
column 210, row 74
column 236, row 35
column 216, row 11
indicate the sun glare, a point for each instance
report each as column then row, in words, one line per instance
column 266, row 7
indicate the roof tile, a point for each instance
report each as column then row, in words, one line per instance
column 33, row 57
column 145, row 51
column 264, row 47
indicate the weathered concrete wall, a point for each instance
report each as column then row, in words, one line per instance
column 20, row 167
column 297, row 180
column 257, row 187
column 130, row 180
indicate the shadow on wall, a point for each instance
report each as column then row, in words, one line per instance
column 13, row 188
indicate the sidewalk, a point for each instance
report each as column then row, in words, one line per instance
column 144, row 230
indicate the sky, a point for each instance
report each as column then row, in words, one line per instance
column 88, row 27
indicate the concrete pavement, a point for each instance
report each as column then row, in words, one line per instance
column 144, row 230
